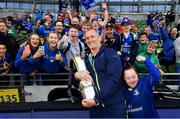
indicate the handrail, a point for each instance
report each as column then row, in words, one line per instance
column 21, row 79
column 36, row 74
column 23, row 39
column 19, row 74
column 165, row 74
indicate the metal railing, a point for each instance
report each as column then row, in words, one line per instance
column 31, row 86
column 167, row 78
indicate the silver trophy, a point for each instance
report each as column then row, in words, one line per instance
column 86, row 87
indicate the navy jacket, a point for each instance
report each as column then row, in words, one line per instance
column 49, row 63
column 106, row 71
column 29, row 64
column 140, row 99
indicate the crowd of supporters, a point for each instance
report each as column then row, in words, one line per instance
column 55, row 38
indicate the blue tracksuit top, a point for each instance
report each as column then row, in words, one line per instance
column 49, row 64
column 140, row 102
column 106, row 71
column 29, row 64
column 43, row 31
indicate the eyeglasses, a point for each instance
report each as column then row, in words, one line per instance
column 60, row 25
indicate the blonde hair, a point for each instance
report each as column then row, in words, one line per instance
column 153, row 43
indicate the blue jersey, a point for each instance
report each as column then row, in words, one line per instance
column 126, row 49
column 156, row 35
column 140, row 101
column 49, row 63
column 29, row 64
column 126, row 43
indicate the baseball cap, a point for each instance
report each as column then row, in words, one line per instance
column 118, row 19
column 95, row 18
column 126, row 21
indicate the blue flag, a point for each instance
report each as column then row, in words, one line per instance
column 88, row 3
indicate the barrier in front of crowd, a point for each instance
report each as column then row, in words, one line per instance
column 40, row 87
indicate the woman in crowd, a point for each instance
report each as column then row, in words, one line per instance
column 28, row 57
column 54, row 60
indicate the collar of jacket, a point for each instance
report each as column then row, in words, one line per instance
column 101, row 50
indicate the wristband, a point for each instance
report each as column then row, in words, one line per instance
column 97, row 102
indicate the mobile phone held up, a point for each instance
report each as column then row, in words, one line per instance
column 41, row 48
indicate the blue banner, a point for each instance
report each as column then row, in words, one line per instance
column 88, row 3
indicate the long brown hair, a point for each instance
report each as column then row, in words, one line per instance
column 29, row 40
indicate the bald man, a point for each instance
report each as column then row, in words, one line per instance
column 105, row 69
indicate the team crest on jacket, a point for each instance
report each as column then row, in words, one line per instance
column 136, row 92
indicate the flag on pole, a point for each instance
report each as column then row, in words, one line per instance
column 88, row 3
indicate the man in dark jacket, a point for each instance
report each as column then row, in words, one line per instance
column 105, row 70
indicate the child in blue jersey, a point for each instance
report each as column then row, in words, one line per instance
column 128, row 39
column 139, row 92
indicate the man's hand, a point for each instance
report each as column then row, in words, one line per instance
column 88, row 103
column 83, row 75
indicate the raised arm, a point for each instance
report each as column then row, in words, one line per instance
column 153, row 70
column 70, row 15
column 104, row 6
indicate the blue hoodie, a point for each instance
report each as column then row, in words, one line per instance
column 140, row 100
column 29, row 64
column 49, row 64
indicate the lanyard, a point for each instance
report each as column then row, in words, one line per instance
column 97, row 87
column 91, row 60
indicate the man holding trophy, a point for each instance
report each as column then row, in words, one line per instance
column 104, row 71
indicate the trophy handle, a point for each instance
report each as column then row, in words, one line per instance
column 79, row 63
